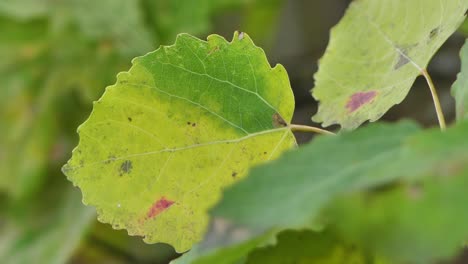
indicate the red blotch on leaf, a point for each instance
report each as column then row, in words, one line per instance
column 159, row 206
column 359, row 99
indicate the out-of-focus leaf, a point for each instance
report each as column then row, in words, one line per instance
column 460, row 87
column 261, row 20
column 332, row 166
column 307, row 247
column 121, row 22
column 194, row 17
column 290, row 191
column 183, row 123
column 417, row 222
column 301, row 182
column 375, row 54
column 47, row 236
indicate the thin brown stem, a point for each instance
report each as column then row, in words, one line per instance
column 435, row 98
column 309, row 129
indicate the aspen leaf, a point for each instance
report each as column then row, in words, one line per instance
column 186, row 121
column 375, row 54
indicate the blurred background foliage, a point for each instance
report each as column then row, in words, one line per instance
column 56, row 58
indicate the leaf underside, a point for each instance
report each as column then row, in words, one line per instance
column 375, row 54
column 183, row 123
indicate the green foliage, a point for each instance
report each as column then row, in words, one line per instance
column 194, row 143
column 460, row 87
column 183, row 123
column 37, row 233
column 375, row 54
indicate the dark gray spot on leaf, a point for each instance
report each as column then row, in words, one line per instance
column 402, row 61
column 434, row 33
column 126, row 167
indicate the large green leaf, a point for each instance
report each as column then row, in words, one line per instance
column 331, row 166
column 290, row 191
column 375, row 54
column 375, row 158
column 183, row 123
column 316, row 173
column 460, row 87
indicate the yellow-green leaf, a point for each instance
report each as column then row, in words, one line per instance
column 183, row 123
column 375, row 54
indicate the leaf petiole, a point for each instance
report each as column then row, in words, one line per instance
column 303, row 128
column 435, row 98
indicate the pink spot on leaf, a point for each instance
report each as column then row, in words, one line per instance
column 359, row 99
column 159, row 206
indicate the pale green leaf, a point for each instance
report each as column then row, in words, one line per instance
column 460, row 87
column 375, row 54
column 183, row 123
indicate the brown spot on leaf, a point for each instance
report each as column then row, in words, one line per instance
column 189, row 123
column 159, row 206
column 234, row 174
column 126, row 167
column 278, row 121
column 359, row 99
column 194, row 124
column 130, row 119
